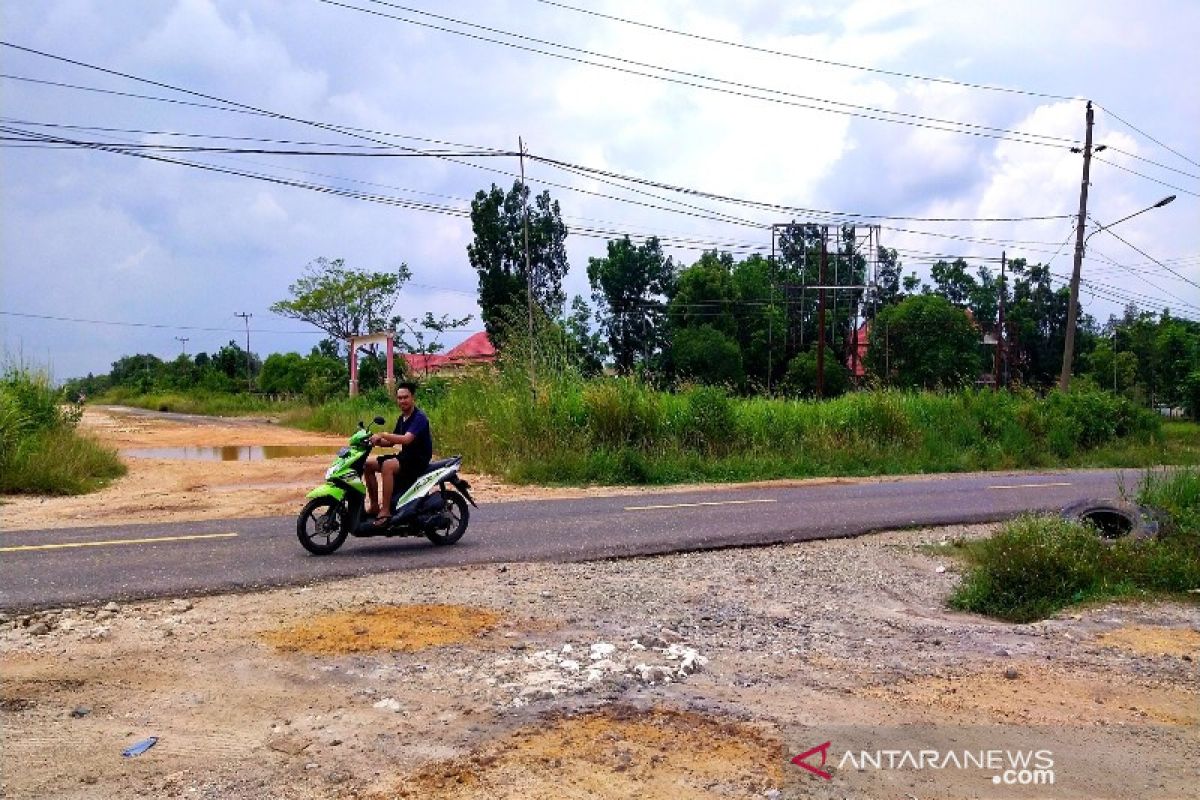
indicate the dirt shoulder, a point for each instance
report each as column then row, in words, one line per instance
column 696, row 675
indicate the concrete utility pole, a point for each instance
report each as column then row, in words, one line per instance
column 1064, row 378
column 183, row 340
column 528, row 272
column 1001, row 339
column 246, row 317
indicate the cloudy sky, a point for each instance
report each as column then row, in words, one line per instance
column 104, row 254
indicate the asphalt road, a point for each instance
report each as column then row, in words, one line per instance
column 52, row 568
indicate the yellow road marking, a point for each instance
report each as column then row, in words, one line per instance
column 64, row 545
column 695, row 505
column 1028, row 485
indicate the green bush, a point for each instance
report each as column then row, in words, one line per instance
column 41, row 452
column 1039, row 564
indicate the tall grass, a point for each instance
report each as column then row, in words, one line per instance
column 618, row 430
column 1037, row 565
column 41, row 452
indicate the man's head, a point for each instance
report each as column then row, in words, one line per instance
column 406, row 397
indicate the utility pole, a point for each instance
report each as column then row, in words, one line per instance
column 246, row 317
column 821, row 316
column 528, row 270
column 1064, row 379
column 1002, row 342
column 183, row 340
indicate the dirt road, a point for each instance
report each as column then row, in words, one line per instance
column 697, row 675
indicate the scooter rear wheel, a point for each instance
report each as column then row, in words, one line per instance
column 455, row 515
column 320, row 527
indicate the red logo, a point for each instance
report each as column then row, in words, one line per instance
column 823, row 749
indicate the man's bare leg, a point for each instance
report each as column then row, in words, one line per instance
column 387, row 476
column 372, row 466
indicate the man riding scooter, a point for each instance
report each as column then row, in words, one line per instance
column 398, row 471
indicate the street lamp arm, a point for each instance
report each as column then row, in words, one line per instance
column 1159, row 204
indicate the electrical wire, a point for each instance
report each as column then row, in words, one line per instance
column 1138, row 130
column 1147, row 177
column 811, row 59
column 901, row 118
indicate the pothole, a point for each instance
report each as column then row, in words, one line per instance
column 398, row 628
column 1153, row 640
column 617, row 752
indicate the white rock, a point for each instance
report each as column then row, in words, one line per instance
column 602, row 650
column 112, row 607
column 388, row 704
column 100, row 632
column 940, row 569
column 568, row 664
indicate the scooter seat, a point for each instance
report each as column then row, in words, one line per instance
column 445, row 462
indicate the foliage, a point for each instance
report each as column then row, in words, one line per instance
column 801, row 377
column 1039, row 564
column 341, row 301
column 40, row 449
column 497, row 253
column 924, row 342
column 706, row 355
column 630, row 287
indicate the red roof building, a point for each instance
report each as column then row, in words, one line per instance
column 475, row 350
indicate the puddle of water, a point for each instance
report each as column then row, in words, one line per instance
column 231, row 452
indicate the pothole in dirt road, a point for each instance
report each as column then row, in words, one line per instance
column 615, row 752
column 1150, row 640
column 385, row 627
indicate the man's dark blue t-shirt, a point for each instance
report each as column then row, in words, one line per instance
column 418, row 453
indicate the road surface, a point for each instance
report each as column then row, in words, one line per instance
column 53, row 568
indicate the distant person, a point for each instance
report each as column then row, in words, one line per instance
column 399, row 471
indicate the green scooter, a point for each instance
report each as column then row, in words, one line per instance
column 435, row 506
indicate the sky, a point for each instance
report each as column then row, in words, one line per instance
column 808, row 108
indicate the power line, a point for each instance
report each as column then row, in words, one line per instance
column 900, row 118
column 1147, row 177
column 811, row 59
column 1136, row 129
column 148, row 324
column 779, row 206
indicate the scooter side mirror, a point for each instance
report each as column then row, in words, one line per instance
column 360, row 424
column 378, row 421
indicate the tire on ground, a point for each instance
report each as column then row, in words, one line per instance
column 1114, row 518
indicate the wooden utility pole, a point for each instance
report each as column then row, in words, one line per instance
column 528, row 270
column 821, row 316
column 1064, row 378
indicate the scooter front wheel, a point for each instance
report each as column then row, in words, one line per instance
column 320, row 526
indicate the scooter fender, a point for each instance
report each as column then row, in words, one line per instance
column 327, row 490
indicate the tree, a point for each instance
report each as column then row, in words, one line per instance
column 706, row 355
column 341, row 301
column 498, row 254
column 426, row 332
column 801, row 376
column 630, row 287
column 587, row 345
column 924, row 342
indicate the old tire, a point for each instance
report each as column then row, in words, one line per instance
column 1114, row 519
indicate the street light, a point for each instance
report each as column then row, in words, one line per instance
column 1064, row 381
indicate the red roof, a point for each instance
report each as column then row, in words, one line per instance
column 476, row 349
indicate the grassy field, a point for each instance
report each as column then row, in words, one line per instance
column 619, row 431
column 1038, row 565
